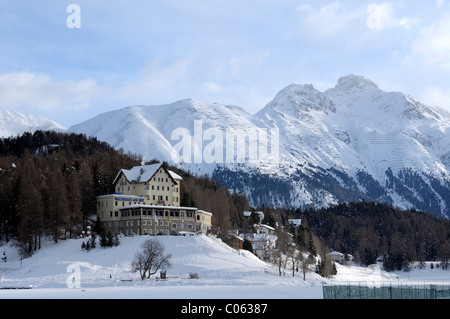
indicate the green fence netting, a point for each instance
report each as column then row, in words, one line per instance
column 386, row 291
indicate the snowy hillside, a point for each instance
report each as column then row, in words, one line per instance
column 105, row 272
column 224, row 273
column 351, row 142
column 14, row 123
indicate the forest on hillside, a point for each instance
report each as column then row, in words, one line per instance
column 49, row 182
column 369, row 230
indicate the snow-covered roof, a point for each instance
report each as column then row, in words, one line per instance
column 204, row 212
column 336, row 254
column 175, row 175
column 267, row 226
column 142, row 174
column 295, row 222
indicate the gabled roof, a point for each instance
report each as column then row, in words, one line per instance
column 142, row 174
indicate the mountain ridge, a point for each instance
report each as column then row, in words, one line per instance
column 13, row 123
column 350, row 142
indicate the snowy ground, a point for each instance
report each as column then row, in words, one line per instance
column 224, row 273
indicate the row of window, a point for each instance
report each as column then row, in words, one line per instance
column 130, row 223
column 149, row 212
column 147, row 187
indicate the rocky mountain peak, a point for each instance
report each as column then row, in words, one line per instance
column 354, row 82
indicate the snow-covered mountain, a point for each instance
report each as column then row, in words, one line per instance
column 351, row 142
column 14, row 123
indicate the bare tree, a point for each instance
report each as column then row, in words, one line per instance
column 150, row 259
column 283, row 244
column 306, row 260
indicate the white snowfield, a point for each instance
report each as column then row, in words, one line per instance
column 223, row 273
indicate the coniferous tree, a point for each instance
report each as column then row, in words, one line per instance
column 92, row 241
column 116, row 241
column 247, row 245
column 30, row 212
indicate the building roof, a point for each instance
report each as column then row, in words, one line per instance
column 295, row 222
column 142, row 174
column 158, row 207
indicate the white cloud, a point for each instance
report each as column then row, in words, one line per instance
column 211, row 86
column 340, row 18
column 326, row 20
column 436, row 96
column 155, row 78
column 432, row 46
column 39, row 91
column 241, row 64
column 383, row 16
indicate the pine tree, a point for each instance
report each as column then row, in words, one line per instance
column 88, row 246
column 103, row 240
column 92, row 241
column 247, row 245
column 109, row 239
column 30, row 227
column 116, row 241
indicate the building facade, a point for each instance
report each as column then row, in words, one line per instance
column 147, row 202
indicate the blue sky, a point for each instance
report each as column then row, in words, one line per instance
column 238, row 52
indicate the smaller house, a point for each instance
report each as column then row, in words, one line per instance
column 261, row 243
column 248, row 214
column 295, row 222
column 337, row 257
column 264, row 229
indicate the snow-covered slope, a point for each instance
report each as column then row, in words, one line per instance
column 223, row 273
column 351, row 142
column 147, row 130
column 14, row 123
